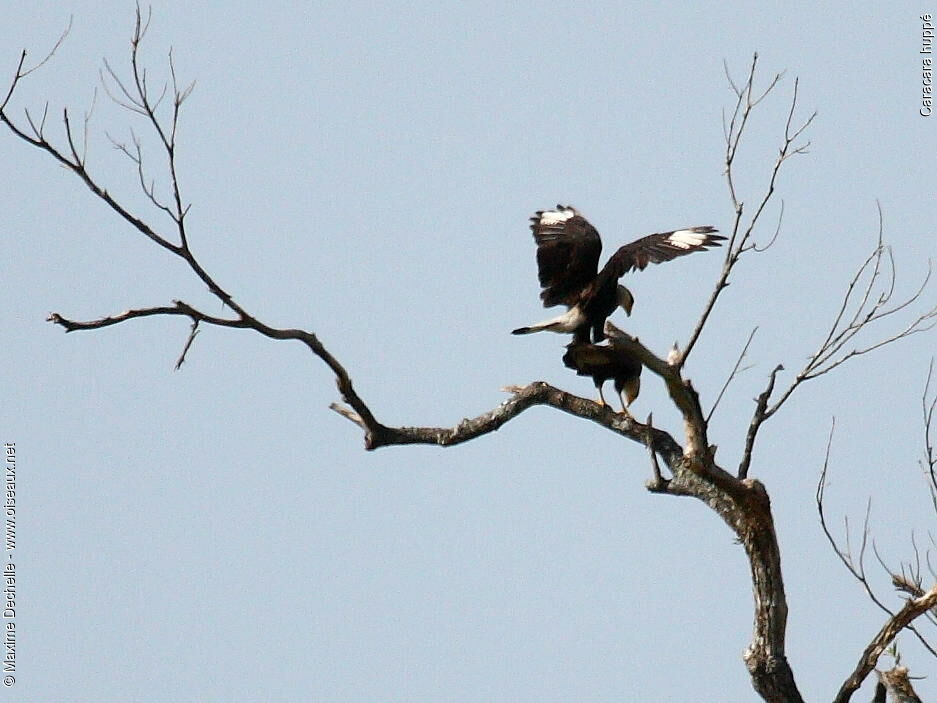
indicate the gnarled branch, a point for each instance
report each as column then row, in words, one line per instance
column 912, row 609
column 741, row 502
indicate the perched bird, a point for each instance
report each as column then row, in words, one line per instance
column 604, row 362
column 568, row 249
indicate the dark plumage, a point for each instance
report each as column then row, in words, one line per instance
column 604, row 362
column 568, row 250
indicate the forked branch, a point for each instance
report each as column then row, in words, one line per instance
column 741, row 238
column 741, row 502
column 867, row 303
column 921, row 601
column 744, row 505
column 912, row 609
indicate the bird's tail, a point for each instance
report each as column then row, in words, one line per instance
column 566, row 323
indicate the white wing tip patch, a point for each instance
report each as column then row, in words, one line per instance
column 687, row 238
column 561, row 214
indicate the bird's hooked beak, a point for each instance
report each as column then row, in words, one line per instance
column 625, row 300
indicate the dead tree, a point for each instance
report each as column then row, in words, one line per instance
column 691, row 465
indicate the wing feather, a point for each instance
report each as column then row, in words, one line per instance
column 568, row 250
column 657, row 248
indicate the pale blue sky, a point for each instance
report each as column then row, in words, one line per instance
column 366, row 171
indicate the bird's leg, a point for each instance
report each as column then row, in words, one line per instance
column 624, row 406
column 601, row 397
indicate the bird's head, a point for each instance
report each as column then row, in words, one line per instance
column 625, row 300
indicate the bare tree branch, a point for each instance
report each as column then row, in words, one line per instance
column 78, row 168
column 136, row 156
column 759, row 416
column 538, row 393
column 912, row 609
column 658, row 484
column 245, row 321
column 744, row 505
column 732, row 375
column 21, row 72
column 872, row 306
column 740, row 240
column 774, row 237
column 177, row 308
column 897, row 684
column 856, row 567
column 929, row 462
column 741, row 502
column 193, row 333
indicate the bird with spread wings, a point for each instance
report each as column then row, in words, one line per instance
column 568, row 250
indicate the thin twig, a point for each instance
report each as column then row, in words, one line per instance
column 741, row 236
column 658, row 484
column 929, row 462
column 872, row 307
column 193, row 332
column 758, row 418
column 855, row 566
column 735, row 372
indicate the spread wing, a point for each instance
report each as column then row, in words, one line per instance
column 657, row 248
column 568, row 250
